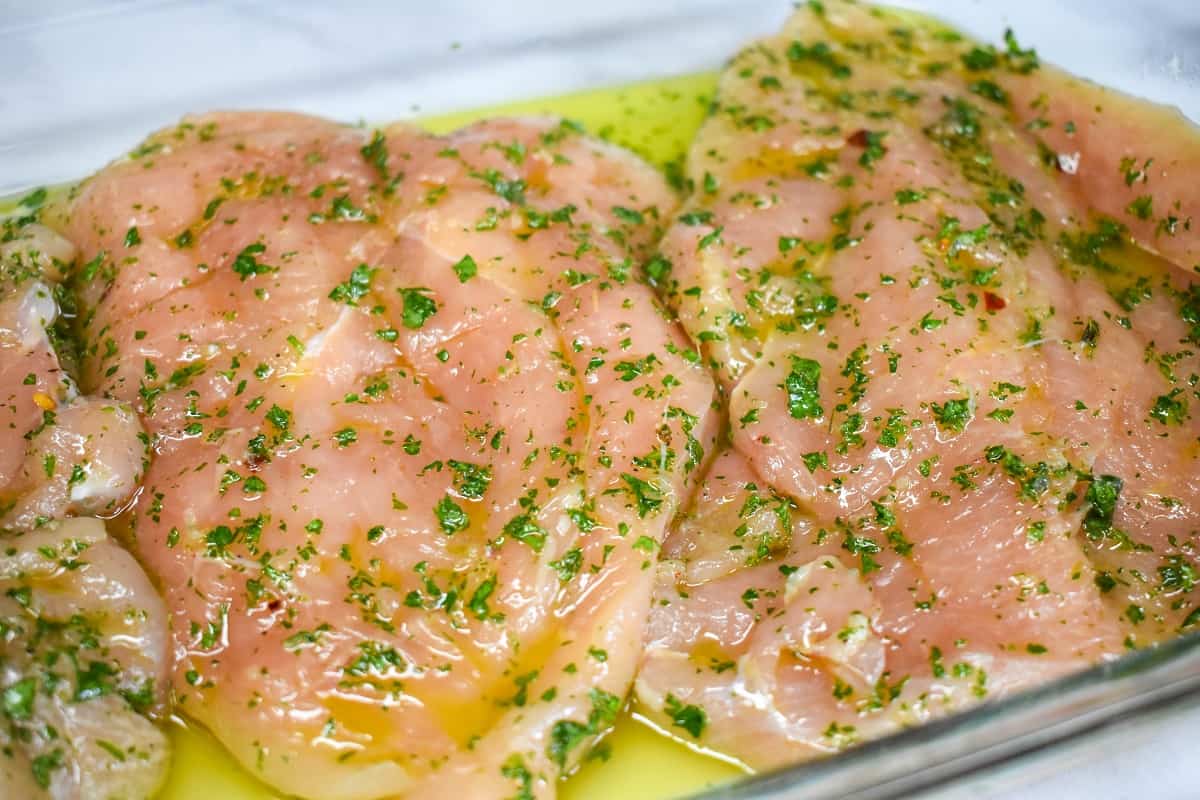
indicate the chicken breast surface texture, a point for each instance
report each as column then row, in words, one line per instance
column 947, row 294
column 83, row 634
column 418, row 426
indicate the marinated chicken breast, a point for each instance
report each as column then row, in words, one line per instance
column 83, row 654
column 83, row 665
column 60, row 452
column 946, row 293
column 418, row 427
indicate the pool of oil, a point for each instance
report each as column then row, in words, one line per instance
column 634, row 762
column 657, row 120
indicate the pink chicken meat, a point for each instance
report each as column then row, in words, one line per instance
column 418, row 427
column 84, row 655
column 946, row 293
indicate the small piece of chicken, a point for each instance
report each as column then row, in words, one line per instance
column 83, row 660
column 60, row 452
column 83, row 655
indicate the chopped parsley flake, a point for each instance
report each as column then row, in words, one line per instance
column 418, row 307
column 801, row 385
column 689, row 717
column 355, row 288
column 465, row 268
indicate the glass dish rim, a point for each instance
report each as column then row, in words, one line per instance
column 936, row 754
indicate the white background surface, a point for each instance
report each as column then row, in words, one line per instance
column 81, row 83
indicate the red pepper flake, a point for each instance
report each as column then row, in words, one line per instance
column 993, row 302
column 858, row 138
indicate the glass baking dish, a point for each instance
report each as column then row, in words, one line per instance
column 83, row 82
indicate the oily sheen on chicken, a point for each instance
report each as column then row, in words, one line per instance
column 418, row 427
column 83, row 650
column 948, row 294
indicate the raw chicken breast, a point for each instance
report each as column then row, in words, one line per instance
column 60, row 452
column 946, row 292
column 418, row 427
column 84, row 653
column 84, row 660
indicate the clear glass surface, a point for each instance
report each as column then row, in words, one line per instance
column 84, row 81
